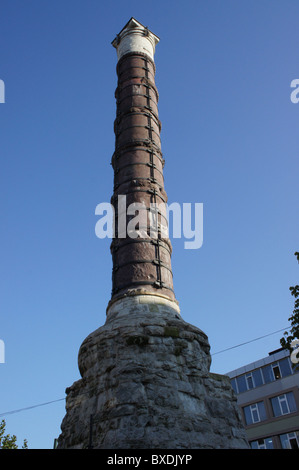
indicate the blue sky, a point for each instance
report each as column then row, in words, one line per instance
column 230, row 141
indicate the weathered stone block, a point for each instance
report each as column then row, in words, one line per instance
column 146, row 382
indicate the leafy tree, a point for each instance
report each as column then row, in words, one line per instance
column 292, row 337
column 7, row 441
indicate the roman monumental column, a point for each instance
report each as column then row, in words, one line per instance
column 145, row 373
column 141, row 249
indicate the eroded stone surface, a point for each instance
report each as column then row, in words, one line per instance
column 146, row 383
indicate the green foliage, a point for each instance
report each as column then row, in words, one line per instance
column 7, row 441
column 294, row 319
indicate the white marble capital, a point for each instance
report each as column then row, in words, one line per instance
column 135, row 37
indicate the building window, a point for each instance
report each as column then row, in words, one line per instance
column 249, row 381
column 290, row 440
column 268, row 374
column 283, row 404
column 276, row 371
column 234, row 385
column 285, row 367
column 255, row 413
column 266, row 443
column 257, row 377
column 241, row 383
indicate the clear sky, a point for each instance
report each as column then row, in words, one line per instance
column 229, row 139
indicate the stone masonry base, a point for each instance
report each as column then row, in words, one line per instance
column 146, row 384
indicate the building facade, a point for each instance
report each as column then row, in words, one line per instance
column 268, row 396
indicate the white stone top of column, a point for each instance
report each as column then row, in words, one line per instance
column 135, row 37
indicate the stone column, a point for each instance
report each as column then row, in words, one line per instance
column 141, row 256
column 145, row 373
